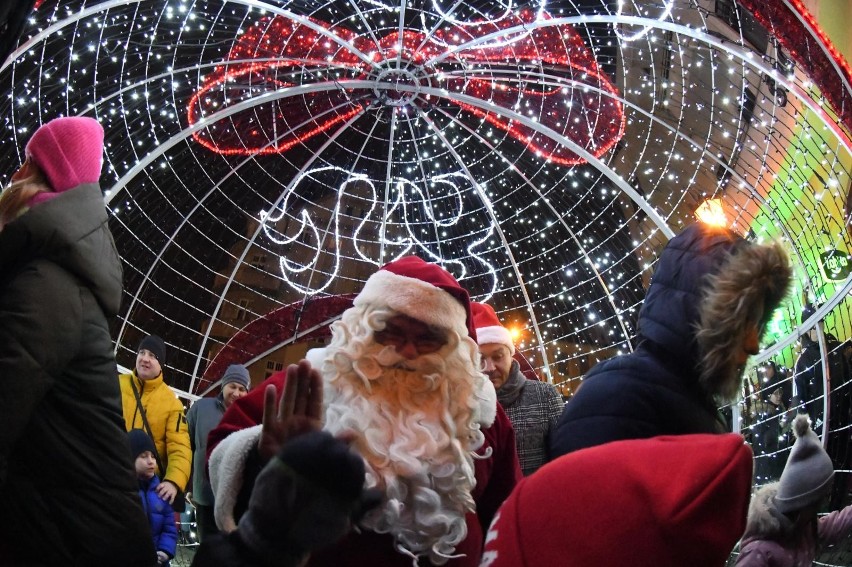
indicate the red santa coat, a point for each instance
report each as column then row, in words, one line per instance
column 496, row 476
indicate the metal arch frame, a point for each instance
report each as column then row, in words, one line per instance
column 804, row 327
column 488, row 206
column 633, row 20
column 621, row 19
column 726, row 47
column 174, row 140
column 806, row 24
column 561, row 220
column 104, row 6
column 293, row 91
column 250, row 242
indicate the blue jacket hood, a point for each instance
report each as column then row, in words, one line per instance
column 670, row 315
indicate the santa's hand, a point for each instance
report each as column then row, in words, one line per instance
column 305, row 498
column 299, row 410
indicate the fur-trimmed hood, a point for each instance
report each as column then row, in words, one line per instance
column 709, row 283
column 764, row 519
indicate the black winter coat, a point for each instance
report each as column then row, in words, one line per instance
column 659, row 388
column 68, row 490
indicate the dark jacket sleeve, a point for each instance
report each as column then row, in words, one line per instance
column 598, row 414
column 40, row 330
column 500, row 473
column 805, row 374
column 636, row 396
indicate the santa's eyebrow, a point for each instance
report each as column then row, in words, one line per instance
column 436, row 332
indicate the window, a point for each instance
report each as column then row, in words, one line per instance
column 272, row 367
column 242, row 309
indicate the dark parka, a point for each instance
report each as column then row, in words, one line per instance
column 202, row 418
column 68, row 492
column 707, row 279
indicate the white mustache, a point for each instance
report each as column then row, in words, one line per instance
column 389, row 358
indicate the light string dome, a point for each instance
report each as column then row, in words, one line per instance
column 263, row 157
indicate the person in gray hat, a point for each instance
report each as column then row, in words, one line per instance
column 203, row 416
column 782, row 527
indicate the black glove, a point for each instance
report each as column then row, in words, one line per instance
column 305, row 498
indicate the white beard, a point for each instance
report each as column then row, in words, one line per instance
column 416, row 431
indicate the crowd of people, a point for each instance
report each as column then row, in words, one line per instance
column 412, row 438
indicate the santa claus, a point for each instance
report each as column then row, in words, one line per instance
column 401, row 380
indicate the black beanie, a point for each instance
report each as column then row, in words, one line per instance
column 154, row 344
column 140, row 442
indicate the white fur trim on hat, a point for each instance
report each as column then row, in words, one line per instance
column 495, row 335
column 415, row 298
column 227, row 465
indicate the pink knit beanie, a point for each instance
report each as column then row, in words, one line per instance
column 69, row 151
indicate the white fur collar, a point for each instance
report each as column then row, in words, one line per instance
column 487, row 397
column 227, row 465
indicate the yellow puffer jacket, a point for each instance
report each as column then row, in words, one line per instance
column 167, row 421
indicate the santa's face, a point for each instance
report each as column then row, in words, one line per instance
column 411, row 418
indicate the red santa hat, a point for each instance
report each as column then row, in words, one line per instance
column 661, row 502
column 426, row 292
column 489, row 330
column 69, row 151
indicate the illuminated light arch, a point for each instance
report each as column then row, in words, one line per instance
column 165, row 184
column 663, row 15
column 418, row 61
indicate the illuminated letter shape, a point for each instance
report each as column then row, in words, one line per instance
column 407, row 211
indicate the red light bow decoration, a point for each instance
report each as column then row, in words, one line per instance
column 545, row 72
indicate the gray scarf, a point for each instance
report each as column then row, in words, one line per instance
column 511, row 388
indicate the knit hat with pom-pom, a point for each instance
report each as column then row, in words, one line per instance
column 808, row 473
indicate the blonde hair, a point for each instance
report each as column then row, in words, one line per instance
column 14, row 199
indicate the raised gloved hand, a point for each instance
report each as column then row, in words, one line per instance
column 305, row 498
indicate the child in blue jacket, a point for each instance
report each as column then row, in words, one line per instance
column 161, row 517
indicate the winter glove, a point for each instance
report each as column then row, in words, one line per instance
column 305, row 498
